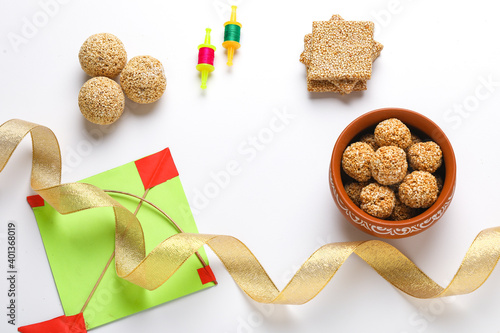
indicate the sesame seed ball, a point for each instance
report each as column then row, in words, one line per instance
column 425, row 156
column 418, row 190
column 370, row 139
column 402, row 212
column 353, row 191
column 143, row 79
column 356, row 161
column 377, row 200
column 102, row 55
column 101, row 100
column 389, row 165
column 392, row 132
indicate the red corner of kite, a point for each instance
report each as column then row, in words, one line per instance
column 62, row 324
column 206, row 275
column 35, row 201
column 157, row 168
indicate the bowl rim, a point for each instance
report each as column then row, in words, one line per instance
column 434, row 132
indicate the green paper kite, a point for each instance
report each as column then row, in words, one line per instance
column 80, row 245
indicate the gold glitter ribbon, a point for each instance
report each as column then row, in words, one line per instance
column 152, row 270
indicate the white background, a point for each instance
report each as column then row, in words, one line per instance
column 436, row 60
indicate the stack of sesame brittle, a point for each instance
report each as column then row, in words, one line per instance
column 338, row 55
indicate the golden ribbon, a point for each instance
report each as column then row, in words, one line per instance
column 152, row 270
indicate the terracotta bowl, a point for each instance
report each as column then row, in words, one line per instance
column 384, row 228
